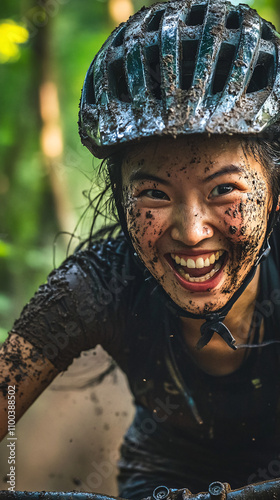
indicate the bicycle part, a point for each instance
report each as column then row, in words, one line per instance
column 267, row 490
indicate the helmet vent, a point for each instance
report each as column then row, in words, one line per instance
column 89, row 88
column 196, row 15
column 118, row 85
column 267, row 33
column 223, row 67
column 153, row 71
column 119, row 38
column 233, row 21
column 188, row 62
column 155, row 21
column 262, row 76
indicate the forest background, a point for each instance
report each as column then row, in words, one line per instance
column 45, row 49
column 46, row 177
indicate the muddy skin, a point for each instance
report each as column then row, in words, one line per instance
column 23, row 362
column 149, row 215
column 238, row 226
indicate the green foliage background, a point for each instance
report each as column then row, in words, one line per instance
column 28, row 218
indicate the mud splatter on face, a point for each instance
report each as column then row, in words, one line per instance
column 197, row 195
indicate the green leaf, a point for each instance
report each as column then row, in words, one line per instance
column 5, row 249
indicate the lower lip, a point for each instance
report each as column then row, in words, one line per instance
column 205, row 286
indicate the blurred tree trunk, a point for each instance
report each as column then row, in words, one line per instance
column 49, row 115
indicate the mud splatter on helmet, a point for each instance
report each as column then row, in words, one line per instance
column 182, row 67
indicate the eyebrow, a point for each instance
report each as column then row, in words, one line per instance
column 144, row 176
column 229, row 169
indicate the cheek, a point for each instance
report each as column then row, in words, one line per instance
column 245, row 219
column 247, row 216
column 145, row 228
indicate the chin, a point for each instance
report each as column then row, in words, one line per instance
column 202, row 302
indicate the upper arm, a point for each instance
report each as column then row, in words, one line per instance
column 27, row 373
column 83, row 303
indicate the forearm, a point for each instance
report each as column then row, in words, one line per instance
column 26, row 373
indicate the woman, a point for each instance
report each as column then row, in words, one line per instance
column 183, row 102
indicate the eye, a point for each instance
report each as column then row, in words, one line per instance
column 154, row 194
column 221, row 190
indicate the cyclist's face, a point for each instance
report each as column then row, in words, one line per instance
column 197, row 211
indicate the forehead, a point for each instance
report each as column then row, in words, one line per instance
column 196, row 154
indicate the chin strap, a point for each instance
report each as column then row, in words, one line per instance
column 214, row 324
column 213, row 321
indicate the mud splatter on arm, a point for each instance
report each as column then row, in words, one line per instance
column 24, row 368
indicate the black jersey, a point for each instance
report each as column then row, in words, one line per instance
column 101, row 296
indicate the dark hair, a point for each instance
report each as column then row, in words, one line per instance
column 108, row 177
column 267, row 151
column 105, row 219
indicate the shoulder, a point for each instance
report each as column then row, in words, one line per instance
column 83, row 303
column 104, row 260
column 110, row 252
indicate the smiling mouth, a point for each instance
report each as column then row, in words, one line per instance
column 199, row 269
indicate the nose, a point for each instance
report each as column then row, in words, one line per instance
column 191, row 225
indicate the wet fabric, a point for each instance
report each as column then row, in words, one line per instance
column 101, row 296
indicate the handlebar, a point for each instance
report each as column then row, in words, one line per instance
column 268, row 490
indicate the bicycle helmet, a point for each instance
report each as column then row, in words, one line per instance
column 182, row 67
column 178, row 68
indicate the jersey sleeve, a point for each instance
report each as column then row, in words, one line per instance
column 83, row 303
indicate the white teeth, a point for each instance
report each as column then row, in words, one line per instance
column 212, row 259
column 201, row 279
column 200, row 262
column 191, row 264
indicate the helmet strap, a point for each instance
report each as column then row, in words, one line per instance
column 214, row 321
